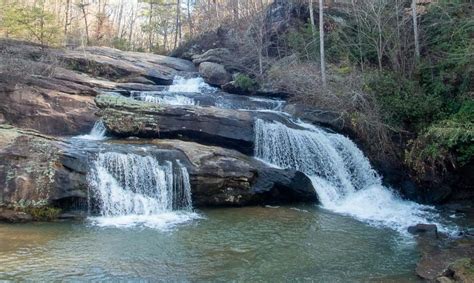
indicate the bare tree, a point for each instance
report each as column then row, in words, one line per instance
column 321, row 42
column 415, row 29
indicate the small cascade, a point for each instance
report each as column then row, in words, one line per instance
column 97, row 133
column 344, row 180
column 160, row 98
column 192, row 85
column 131, row 189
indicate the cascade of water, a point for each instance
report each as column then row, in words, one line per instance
column 132, row 189
column 97, row 133
column 160, row 98
column 342, row 176
column 192, row 85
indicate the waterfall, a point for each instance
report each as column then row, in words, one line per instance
column 343, row 178
column 97, row 132
column 131, row 189
column 192, row 85
column 160, row 98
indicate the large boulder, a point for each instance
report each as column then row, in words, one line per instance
column 32, row 173
column 216, row 55
column 46, row 105
column 224, row 177
column 446, row 259
column 214, row 74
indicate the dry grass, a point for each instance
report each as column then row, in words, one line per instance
column 344, row 95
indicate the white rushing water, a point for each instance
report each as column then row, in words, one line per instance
column 192, row 85
column 97, row 133
column 159, row 98
column 138, row 190
column 342, row 176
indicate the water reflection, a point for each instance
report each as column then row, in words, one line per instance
column 244, row 244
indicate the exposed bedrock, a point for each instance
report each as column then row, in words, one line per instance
column 51, row 90
column 234, row 129
column 38, row 170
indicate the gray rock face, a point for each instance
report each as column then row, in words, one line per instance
column 124, row 117
column 31, row 171
column 124, row 66
column 225, row 177
column 51, row 90
column 216, row 55
column 214, row 74
column 38, row 170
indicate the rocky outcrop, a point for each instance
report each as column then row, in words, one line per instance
column 214, row 74
column 121, row 66
column 447, row 262
column 224, row 177
column 32, row 173
column 124, row 117
column 216, row 55
column 51, row 90
column 56, row 112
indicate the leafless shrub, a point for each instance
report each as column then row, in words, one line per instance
column 344, row 94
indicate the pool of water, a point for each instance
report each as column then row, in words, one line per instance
column 303, row 243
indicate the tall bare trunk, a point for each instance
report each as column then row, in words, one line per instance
column 415, row 29
column 66, row 21
column 178, row 9
column 150, row 32
column 321, row 42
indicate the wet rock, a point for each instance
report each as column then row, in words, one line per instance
column 321, row 117
column 224, row 177
column 462, row 270
column 444, row 258
column 424, row 229
column 125, row 117
column 31, row 172
column 11, row 216
column 214, row 74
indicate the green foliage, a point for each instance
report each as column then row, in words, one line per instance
column 43, row 213
column 245, row 82
column 448, row 142
column 31, row 23
column 404, row 104
column 306, row 44
column 121, row 43
column 447, row 67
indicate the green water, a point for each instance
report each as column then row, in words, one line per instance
column 241, row 244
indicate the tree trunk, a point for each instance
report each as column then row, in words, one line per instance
column 66, row 21
column 150, row 32
column 415, row 29
column 84, row 13
column 321, row 42
column 190, row 19
column 178, row 9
